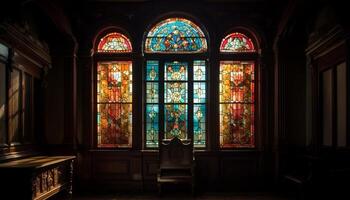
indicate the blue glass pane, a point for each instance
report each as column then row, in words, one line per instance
column 199, row 115
column 152, row 125
column 199, row 72
column 152, row 70
column 199, row 92
column 152, row 92
column 175, row 35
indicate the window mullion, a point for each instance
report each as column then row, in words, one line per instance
column 190, row 101
column 161, row 101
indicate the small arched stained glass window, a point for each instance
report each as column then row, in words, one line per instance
column 175, row 35
column 237, row 42
column 114, row 43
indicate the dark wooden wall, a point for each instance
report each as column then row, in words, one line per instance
column 287, row 125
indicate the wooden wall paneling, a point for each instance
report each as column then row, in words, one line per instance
column 207, row 171
column 150, row 166
column 116, row 170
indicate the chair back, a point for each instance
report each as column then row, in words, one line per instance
column 175, row 153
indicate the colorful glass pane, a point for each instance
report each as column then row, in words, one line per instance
column 236, row 82
column 237, row 42
column 114, row 103
column 236, row 125
column 199, row 92
column 152, row 70
column 236, row 104
column 199, row 72
column 114, row 125
column 199, row 130
column 114, row 43
column 175, row 71
column 152, row 92
column 114, row 81
column 175, row 92
column 175, row 35
column 152, row 125
column 175, row 89
column 175, row 121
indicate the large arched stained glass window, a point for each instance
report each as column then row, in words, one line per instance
column 237, row 90
column 175, row 35
column 114, row 93
column 176, row 101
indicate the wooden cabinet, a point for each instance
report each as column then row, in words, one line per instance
column 37, row 177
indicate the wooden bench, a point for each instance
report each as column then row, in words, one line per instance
column 37, row 177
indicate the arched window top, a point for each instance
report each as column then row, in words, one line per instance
column 114, row 43
column 237, row 43
column 175, row 35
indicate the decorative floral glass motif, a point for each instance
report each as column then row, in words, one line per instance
column 114, row 43
column 175, row 121
column 175, row 35
column 236, row 104
column 175, row 99
column 173, row 83
column 152, row 125
column 114, row 104
column 175, row 71
column 237, row 42
column 152, row 71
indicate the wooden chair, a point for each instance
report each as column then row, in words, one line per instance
column 176, row 163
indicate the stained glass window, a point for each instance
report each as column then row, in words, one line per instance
column 175, row 99
column 236, row 104
column 114, row 104
column 199, row 100
column 175, row 35
column 152, row 100
column 174, row 81
column 237, row 42
column 114, row 43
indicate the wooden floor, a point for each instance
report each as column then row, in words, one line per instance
column 209, row 196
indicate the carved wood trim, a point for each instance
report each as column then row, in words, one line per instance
column 18, row 39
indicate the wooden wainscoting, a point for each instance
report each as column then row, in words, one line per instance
column 137, row 170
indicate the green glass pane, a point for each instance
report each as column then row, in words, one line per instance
column 152, row 125
column 199, row 130
column 152, row 92
column 199, row 92
column 152, row 70
column 199, row 72
column 175, row 121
